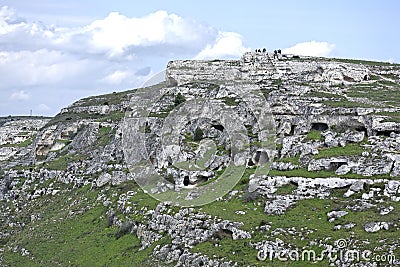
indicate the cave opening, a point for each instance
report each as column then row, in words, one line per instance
column 319, row 126
column 250, row 163
column 362, row 129
column 186, row 181
column 334, row 165
column 385, row 133
column 261, row 157
column 219, row 127
column 292, row 128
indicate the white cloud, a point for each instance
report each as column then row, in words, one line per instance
column 116, row 77
column 115, row 36
column 227, row 45
column 117, row 33
column 312, row 48
column 40, row 67
column 42, row 108
column 19, row 96
column 114, row 53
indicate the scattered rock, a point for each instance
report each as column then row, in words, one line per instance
column 333, row 215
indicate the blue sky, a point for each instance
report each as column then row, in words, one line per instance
column 53, row 53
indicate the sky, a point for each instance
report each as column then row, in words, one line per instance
column 53, row 53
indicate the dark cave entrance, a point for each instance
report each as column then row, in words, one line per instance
column 186, row 181
column 386, row 133
column 319, row 126
column 261, row 157
column 292, row 129
column 362, row 129
column 334, row 165
column 218, row 127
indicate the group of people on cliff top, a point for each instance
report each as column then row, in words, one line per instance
column 264, row 50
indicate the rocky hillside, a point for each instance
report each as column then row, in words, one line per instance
column 307, row 150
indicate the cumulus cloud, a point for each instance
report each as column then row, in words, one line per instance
column 312, row 48
column 119, row 35
column 116, row 77
column 112, row 53
column 19, row 96
column 40, row 67
column 227, row 45
column 115, row 36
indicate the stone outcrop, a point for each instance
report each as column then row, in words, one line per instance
column 325, row 137
column 254, row 67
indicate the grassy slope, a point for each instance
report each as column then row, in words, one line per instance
column 85, row 239
column 82, row 239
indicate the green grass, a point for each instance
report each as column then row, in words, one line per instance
column 61, row 163
column 321, row 94
column 114, row 98
column 306, row 214
column 64, row 141
column 71, row 117
column 348, row 104
column 138, row 201
column 302, row 173
column 351, row 149
column 391, row 76
column 314, row 135
column 363, row 62
column 104, row 135
column 227, row 210
column 25, row 143
column 114, row 116
column 85, row 239
column 80, row 240
column 104, row 131
column 285, row 189
column 390, row 116
column 382, row 91
column 293, row 160
column 230, row 101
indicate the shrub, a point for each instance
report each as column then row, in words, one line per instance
column 110, row 219
column 179, row 99
column 250, row 196
column 198, row 134
column 222, row 234
column 125, row 228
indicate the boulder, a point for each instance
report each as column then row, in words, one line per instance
column 344, row 169
column 103, row 179
column 333, row 215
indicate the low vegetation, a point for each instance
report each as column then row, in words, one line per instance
column 352, row 149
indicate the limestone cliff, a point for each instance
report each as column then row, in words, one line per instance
column 327, row 132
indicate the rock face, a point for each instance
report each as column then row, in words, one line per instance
column 255, row 67
column 317, row 139
column 17, row 136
